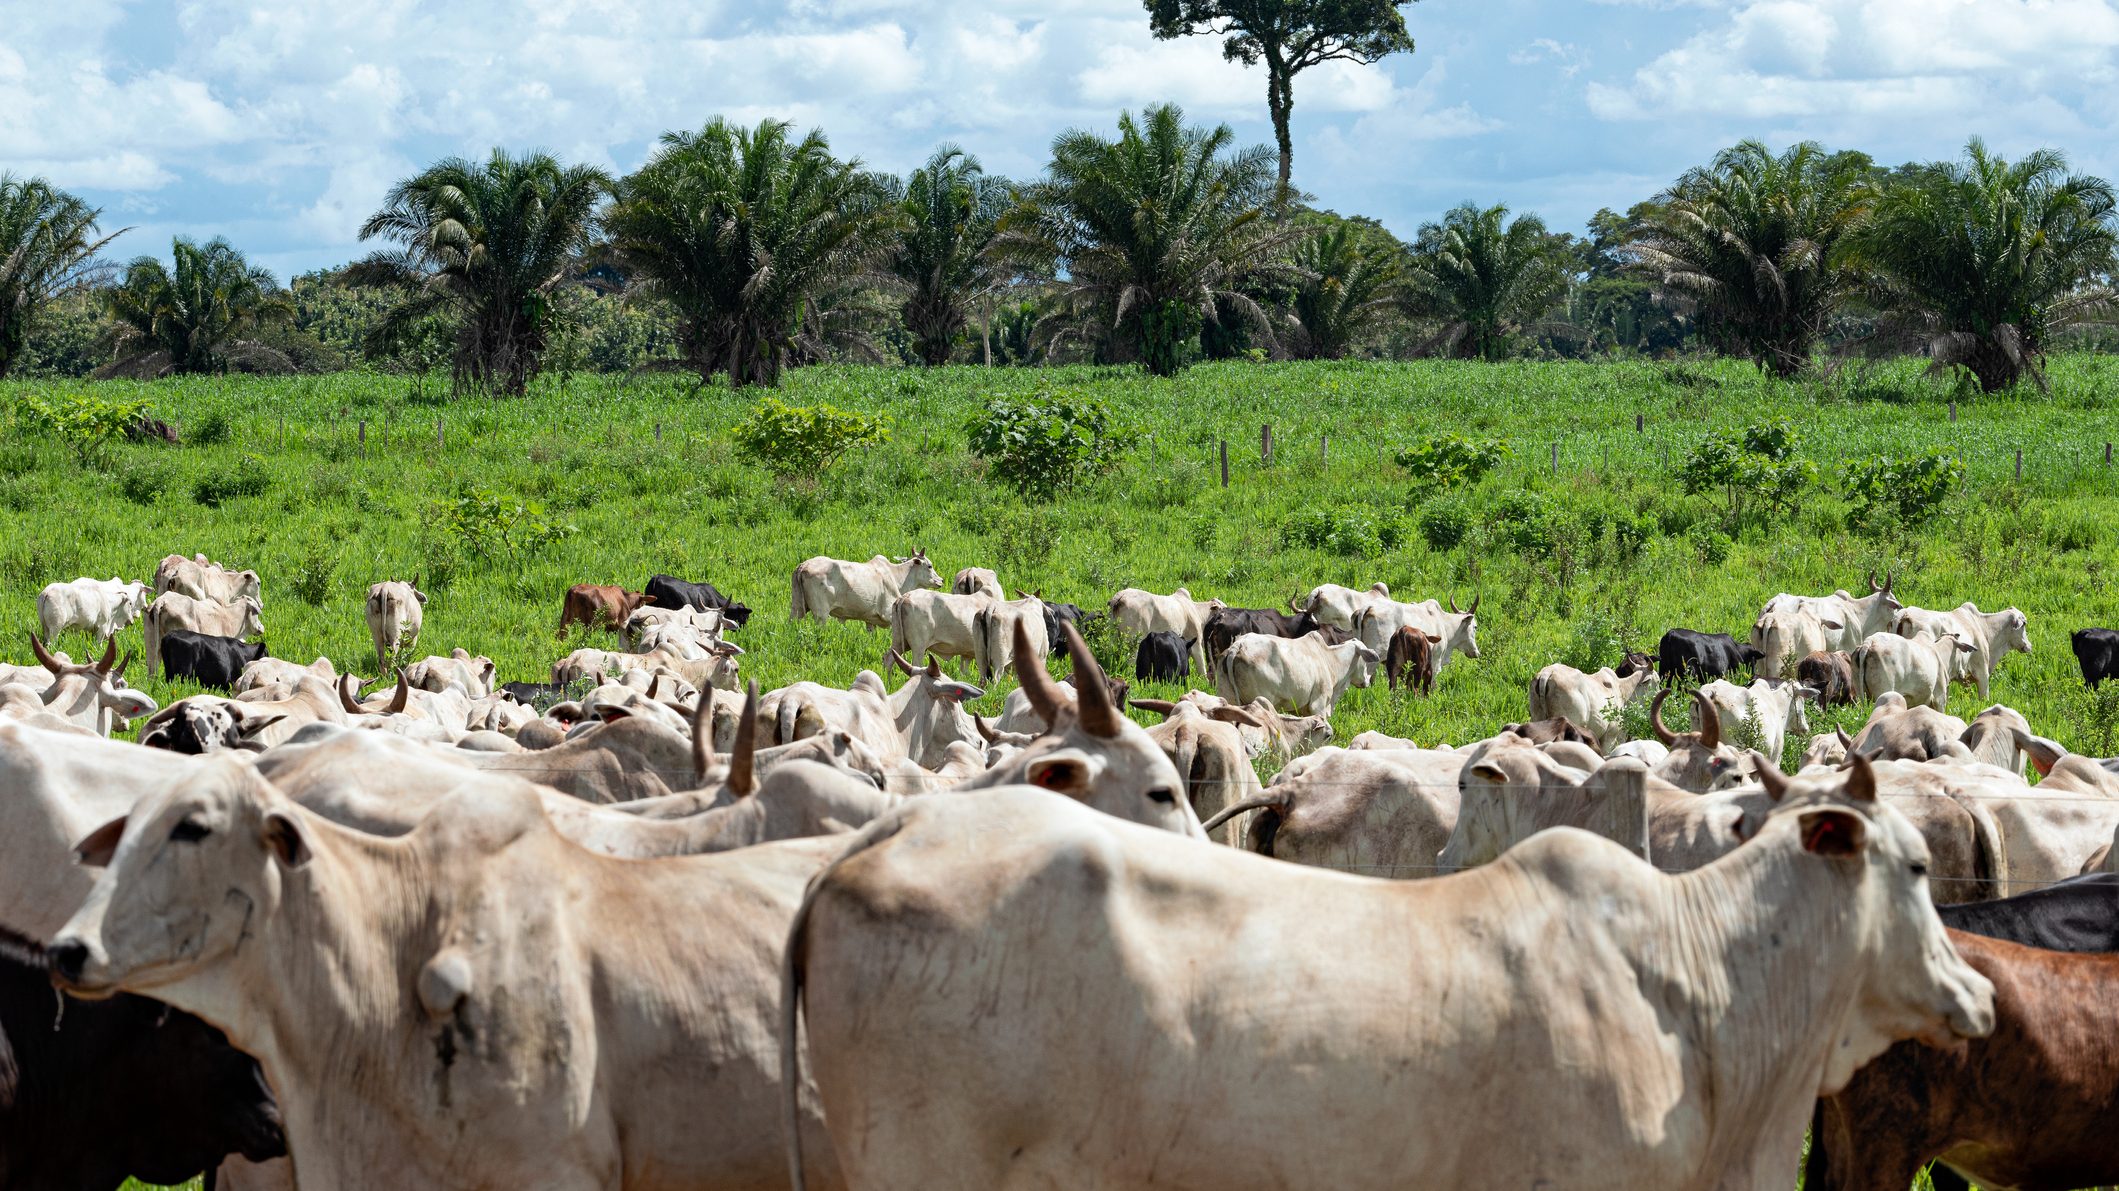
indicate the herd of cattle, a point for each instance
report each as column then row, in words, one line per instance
column 625, row 927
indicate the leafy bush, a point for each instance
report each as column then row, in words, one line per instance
column 311, row 580
column 1451, row 460
column 209, row 430
column 1712, row 545
column 1598, row 637
column 84, row 422
column 1446, row 524
column 1040, row 446
column 247, row 478
column 1528, row 523
column 1353, row 531
column 142, row 483
column 486, row 525
column 1904, row 490
column 1754, row 470
column 803, row 441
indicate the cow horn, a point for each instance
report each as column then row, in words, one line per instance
column 1845, row 741
column 1043, row 693
column 401, row 696
column 703, row 736
column 898, row 659
column 1453, row 604
column 1099, row 717
column 1872, row 580
column 934, row 667
column 44, row 657
column 741, row 758
column 985, row 729
column 1861, row 779
column 1655, row 720
column 1769, row 776
column 110, row 654
column 654, row 683
column 1295, row 604
column 1710, row 722
column 345, row 690
column 118, row 675
column 1474, row 609
column 1161, row 707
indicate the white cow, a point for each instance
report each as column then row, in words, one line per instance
column 1920, row 668
column 396, row 610
column 1858, row 618
column 1303, row 676
column 1154, row 1033
column 99, row 606
column 1338, row 606
column 1592, row 701
column 1457, row 631
column 1141, row 612
column 174, row 610
column 995, row 634
column 202, row 579
column 1787, row 635
column 833, row 589
column 938, row 623
column 1992, row 635
column 469, row 676
column 91, row 696
column 977, row 581
column 1770, row 707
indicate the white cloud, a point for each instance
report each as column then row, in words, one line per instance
column 1568, row 57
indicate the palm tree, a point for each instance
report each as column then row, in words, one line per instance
column 1981, row 260
column 1145, row 238
column 48, row 245
column 1753, row 243
column 198, row 316
column 488, row 243
column 1349, row 284
column 951, row 210
column 1486, row 278
column 759, row 244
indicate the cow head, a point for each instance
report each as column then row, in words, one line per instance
column 1698, row 761
column 92, row 694
column 195, row 869
column 2010, row 631
column 205, row 724
column 920, row 572
column 1462, row 634
column 1912, row 983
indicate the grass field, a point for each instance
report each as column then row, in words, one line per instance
column 1571, row 552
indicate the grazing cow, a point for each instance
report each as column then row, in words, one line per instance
column 2097, row 651
column 460, row 672
column 1383, row 812
column 832, row 589
column 93, row 695
column 1830, row 673
column 1785, row 636
column 1769, row 707
column 271, row 671
column 668, row 591
column 2028, row 1106
column 938, row 623
column 1376, row 624
column 395, row 612
column 212, row 662
column 993, row 631
column 1688, row 653
column 1208, row 750
column 1859, row 619
column 1897, row 731
column 593, row 606
column 172, row 611
column 99, row 606
column 1920, row 668
column 1142, row 612
column 1991, row 738
column 1410, row 660
column 203, row 580
column 1594, row 702
column 978, row 581
column 1303, row 676
column 2078, row 914
column 1226, row 624
column 1163, row 657
column 1788, row 963
column 697, row 625
column 94, row 1092
column 1557, row 730
column 1991, row 636
column 1339, row 606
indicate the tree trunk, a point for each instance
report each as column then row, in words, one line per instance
column 1280, row 101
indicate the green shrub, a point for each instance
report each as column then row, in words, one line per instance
column 1754, row 470
column 1712, row 545
column 803, row 441
column 1446, row 524
column 84, row 422
column 1352, row 531
column 1451, row 460
column 1041, row 446
column 311, row 579
column 247, row 478
column 1528, row 523
column 207, row 431
column 141, row 483
column 1900, row 490
column 485, row 525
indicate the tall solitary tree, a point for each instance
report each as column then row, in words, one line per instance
column 201, row 315
column 950, row 210
column 1980, row 261
column 752, row 237
column 48, row 245
column 1486, row 278
column 1289, row 37
column 487, row 243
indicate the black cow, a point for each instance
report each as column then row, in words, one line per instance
column 1224, row 625
column 2098, row 652
column 668, row 591
column 2078, row 914
column 92, row 1092
column 1057, row 614
column 1162, row 657
column 1702, row 655
column 210, row 661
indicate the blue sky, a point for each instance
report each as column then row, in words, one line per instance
column 280, row 123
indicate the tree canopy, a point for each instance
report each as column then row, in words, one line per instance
column 950, row 212
column 202, row 314
column 48, row 246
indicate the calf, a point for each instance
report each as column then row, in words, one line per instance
column 172, row 611
column 1830, row 673
column 1163, row 657
column 2097, row 651
column 1689, row 653
column 668, row 591
column 1410, row 659
column 99, row 606
column 598, row 606
column 1551, row 731
column 1226, row 624
column 210, row 661
column 2028, row 1106
column 395, row 613
column 93, row 1092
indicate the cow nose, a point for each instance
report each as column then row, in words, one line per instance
column 69, row 959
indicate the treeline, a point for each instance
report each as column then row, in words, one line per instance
column 739, row 252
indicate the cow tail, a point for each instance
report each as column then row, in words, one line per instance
column 789, row 712
column 898, row 636
column 1264, row 802
column 1185, row 756
column 798, row 606
column 982, row 650
column 1540, row 697
column 1990, row 861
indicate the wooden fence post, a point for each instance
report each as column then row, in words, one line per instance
column 1225, row 463
column 1636, row 423
column 1324, row 450
column 2019, row 463
column 1265, row 443
column 1953, row 409
column 658, row 434
column 438, row 441
column 1556, row 456
column 364, row 438
column 2107, row 454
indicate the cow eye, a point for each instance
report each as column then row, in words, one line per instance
column 1920, row 870
column 1163, row 794
column 189, row 831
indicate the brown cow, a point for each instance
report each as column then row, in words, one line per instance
column 598, row 606
column 2030, row 1106
column 1411, row 659
column 1830, row 674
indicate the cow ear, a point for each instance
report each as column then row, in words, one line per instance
column 1067, row 772
column 285, row 837
column 96, row 850
column 1828, row 832
column 1834, row 625
column 1487, row 772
